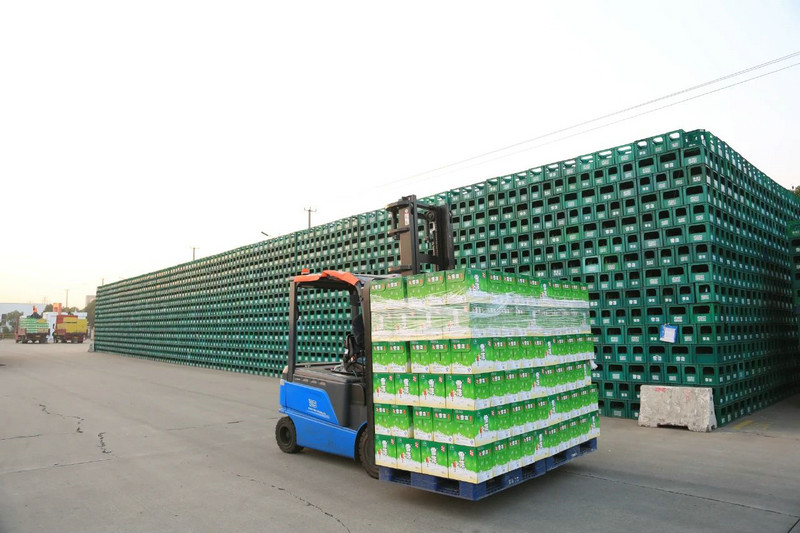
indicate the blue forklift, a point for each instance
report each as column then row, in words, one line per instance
column 328, row 406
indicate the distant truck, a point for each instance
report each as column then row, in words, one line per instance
column 31, row 330
column 70, row 328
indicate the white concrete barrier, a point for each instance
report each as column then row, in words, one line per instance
column 692, row 407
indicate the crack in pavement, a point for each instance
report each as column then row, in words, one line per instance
column 299, row 498
column 679, row 493
column 206, row 425
column 103, row 442
column 21, row 437
column 56, row 465
column 78, row 418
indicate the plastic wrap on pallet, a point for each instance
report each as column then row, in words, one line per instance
column 470, row 303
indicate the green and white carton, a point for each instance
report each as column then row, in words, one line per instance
column 476, row 320
column 423, row 423
column 434, row 458
column 525, row 384
column 466, row 285
column 594, row 424
column 501, row 353
column 501, row 456
column 512, row 386
column 383, row 388
column 471, row 356
column 471, row 391
column 385, row 451
column 415, row 291
column 383, row 419
column 517, row 424
column 406, row 389
column 435, row 288
column 542, row 412
column 443, row 425
column 399, row 360
column 526, row 352
column 470, row 464
column 387, row 293
column 498, row 388
column 441, row 359
column 528, row 449
column 530, row 414
column 380, row 357
column 539, row 352
column 473, row 428
column 402, row 421
column 421, row 358
column 514, row 357
column 514, row 452
column 408, row 454
column 432, row 390
column 504, row 421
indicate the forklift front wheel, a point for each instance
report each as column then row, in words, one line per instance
column 286, row 435
column 366, row 452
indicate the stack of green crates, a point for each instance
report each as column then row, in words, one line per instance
column 794, row 243
column 478, row 373
column 674, row 229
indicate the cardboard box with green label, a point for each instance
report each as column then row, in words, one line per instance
column 471, row 356
column 468, row 391
column 406, row 389
column 473, row 428
column 441, row 360
column 434, row 458
column 443, row 425
column 402, row 421
column 408, row 454
column 470, row 464
column 422, row 422
column 385, row 451
column 383, row 419
column 420, row 352
column 432, row 390
column 383, row 388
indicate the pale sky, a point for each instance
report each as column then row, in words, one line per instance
column 132, row 131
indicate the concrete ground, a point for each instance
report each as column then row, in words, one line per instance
column 100, row 442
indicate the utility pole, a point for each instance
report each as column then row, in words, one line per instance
column 309, row 215
column 66, row 305
column 193, row 249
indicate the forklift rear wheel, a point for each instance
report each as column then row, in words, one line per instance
column 366, row 452
column 286, row 435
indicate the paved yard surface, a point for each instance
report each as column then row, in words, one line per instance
column 100, row 442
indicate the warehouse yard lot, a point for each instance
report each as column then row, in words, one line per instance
column 100, row 442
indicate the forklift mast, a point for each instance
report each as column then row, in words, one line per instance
column 407, row 215
column 329, row 406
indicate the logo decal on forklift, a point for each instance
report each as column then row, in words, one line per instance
column 312, row 408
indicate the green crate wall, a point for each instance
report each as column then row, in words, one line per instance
column 677, row 228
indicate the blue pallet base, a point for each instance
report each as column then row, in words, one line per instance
column 478, row 491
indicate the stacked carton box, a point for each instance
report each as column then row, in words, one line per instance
column 470, row 382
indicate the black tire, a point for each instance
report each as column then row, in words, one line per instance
column 286, row 436
column 366, row 454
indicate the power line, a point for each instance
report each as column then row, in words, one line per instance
column 609, row 115
column 625, row 119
